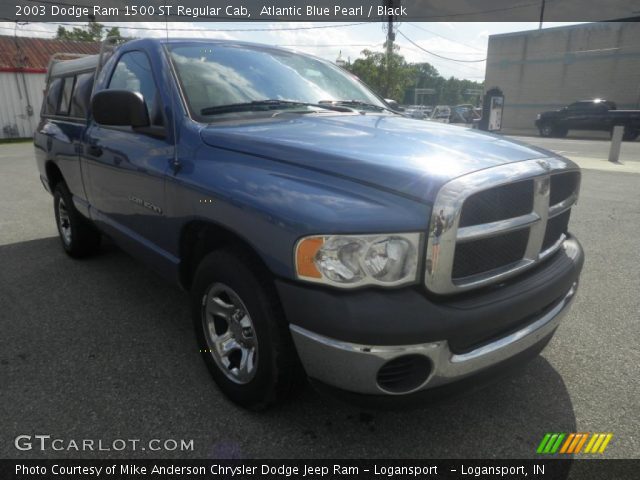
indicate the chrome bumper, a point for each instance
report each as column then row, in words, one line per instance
column 354, row 367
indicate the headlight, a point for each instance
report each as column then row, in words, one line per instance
column 349, row 261
column 538, row 117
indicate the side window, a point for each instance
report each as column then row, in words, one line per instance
column 65, row 97
column 133, row 72
column 82, row 95
column 53, row 96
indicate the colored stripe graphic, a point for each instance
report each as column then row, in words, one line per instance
column 550, row 443
column 544, row 441
column 596, row 445
column 576, row 439
column 581, row 443
column 556, row 446
column 605, row 442
column 567, row 443
column 590, row 444
column 573, row 443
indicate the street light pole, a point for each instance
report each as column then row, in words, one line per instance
column 541, row 14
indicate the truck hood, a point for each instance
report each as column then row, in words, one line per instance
column 412, row 157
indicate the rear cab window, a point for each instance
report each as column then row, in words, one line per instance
column 82, row 95
column 69, row 96
column 64, row 105
column 53, row 96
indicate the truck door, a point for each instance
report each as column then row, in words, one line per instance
column 127, row 168
column 580, row 115
column 596, row 117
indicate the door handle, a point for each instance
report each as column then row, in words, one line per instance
column 94, row 150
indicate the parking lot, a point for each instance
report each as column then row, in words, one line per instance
column 591, row 149
column 103, row 349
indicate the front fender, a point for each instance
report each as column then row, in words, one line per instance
column 271, row 205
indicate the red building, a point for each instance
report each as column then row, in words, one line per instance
column 23, row 67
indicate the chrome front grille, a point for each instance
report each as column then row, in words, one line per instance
column 500, row 203
column 497, row 222
column 478, row 256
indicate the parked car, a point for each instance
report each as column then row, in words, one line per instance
column 460, row 114
column 416, row 111
column 594, row 114
column 315, row 230
column 441, row 113
column 465, row 114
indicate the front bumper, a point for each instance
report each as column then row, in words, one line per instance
column 355, row 367
column 344, row 339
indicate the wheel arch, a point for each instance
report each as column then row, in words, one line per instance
column 200, row 237
column 54, row 174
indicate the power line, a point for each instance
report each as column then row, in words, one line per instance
column 306, row 45
column 30, row 30
column 480, row 12
column 473, row 67
column 80, row 25
column 442, row 36
column 439, row 56
column 327, row 45
column 177, row 29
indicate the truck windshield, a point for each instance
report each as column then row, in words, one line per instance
column 214, row 75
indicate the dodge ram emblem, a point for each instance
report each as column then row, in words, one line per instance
column 544, row 164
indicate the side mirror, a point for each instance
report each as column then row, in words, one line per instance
column 122, row 108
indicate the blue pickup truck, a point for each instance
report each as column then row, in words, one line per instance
column 318, row 231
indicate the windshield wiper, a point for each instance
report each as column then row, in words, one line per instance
column 268, row 104
column 355, row 103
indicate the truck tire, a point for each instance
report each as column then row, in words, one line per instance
column 549, row 130
column 546, row 130
column 78, row 236
column 241, row 331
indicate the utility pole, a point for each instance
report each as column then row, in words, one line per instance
column 391, row 36
column 541, row 14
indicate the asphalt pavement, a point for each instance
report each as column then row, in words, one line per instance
column 103, row 349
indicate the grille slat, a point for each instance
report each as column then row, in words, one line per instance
column 499, row 203
column 563, row 185
column 556, row 227
column 479, row 256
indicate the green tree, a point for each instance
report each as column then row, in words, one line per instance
column 93, row 32
column 399, row 83
column 426, row 75
column 387, row 75
column 450, row 93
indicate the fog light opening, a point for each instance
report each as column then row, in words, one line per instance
column 404, row 374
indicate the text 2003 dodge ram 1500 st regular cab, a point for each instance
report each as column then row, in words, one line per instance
column 386, row 256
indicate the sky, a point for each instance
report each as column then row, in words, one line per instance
column 456, row 40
